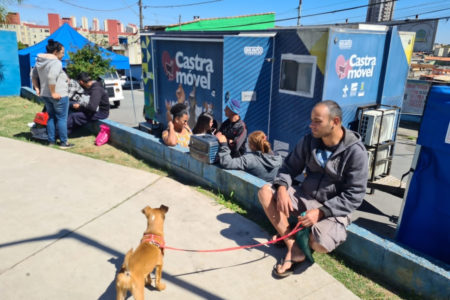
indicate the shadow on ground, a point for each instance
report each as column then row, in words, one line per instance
column 234, row 232
column 379, row 228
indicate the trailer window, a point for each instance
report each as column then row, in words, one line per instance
column 298, row 74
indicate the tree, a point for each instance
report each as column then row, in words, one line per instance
column 88, row 59
column 3, row 8
column 21, row 45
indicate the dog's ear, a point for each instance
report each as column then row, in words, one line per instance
column 146, row 210
column 164, row 208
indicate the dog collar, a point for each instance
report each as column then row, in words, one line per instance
column 154, row 239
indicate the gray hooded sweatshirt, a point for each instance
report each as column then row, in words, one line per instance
column 48, row 71
column 262, row 165
column 341, row 185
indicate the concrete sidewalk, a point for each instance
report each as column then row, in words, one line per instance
column 67, row 221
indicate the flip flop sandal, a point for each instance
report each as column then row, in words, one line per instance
column 287, row 272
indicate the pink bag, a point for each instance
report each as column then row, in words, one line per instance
column 103, row 136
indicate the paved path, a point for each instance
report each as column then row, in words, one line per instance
column 66, row 221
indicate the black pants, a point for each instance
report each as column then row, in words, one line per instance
column 80, row 118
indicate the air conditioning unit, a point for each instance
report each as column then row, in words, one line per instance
column 370, row 125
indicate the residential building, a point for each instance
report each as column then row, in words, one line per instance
column 74, row 21
column 113, row 36
column 95, row 24
column 54, row 22
column 28, row 34
column 84, row 23
column 441, row 50
column 131, row 28
column 34, row 33
column 380, row 11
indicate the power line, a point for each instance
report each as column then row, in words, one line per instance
column 404, row 21
column 425, row 13
column 420, row 5
column 396, row 10
column 310, row 15
column 94, row 9
column 346, row 9
column 329, row 5
column 131, row 8
column 181, row 5
column 349, row 8
column 32, row 6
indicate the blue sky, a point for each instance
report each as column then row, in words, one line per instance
column 127, row 11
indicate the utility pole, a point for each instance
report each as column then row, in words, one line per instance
column 299, row 8
column 141, row 26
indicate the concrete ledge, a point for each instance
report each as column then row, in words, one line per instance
column 177, row 160
column 396, row 265
column 30, row 94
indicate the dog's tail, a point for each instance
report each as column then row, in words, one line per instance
column 123, row 280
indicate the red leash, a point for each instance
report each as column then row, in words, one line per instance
column 295, row 230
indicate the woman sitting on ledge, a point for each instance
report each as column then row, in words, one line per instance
column 178, row 131
column 205, row 124
column 260, row 162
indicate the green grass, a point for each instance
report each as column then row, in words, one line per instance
column 16, row 112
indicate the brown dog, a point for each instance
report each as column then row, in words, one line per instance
column 139, row 264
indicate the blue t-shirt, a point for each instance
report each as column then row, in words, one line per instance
column 323, row 153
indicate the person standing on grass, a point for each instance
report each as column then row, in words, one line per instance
column 51, row 84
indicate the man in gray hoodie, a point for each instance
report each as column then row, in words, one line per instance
column 334, row 162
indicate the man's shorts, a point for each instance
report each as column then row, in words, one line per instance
column 329, row 232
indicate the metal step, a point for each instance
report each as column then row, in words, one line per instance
column 388, row 184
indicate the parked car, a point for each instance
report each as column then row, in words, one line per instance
column 123, row 78
column 114, row 88
column 137, row 83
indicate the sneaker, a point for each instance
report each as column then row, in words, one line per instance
column 51, row 144
column 66, row 146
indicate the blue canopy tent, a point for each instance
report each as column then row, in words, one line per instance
column 72, row 42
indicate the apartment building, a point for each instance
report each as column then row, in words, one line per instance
column 379, row 11
column 28, row 34
column 114, row 36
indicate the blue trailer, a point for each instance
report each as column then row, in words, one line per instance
column 277, row 74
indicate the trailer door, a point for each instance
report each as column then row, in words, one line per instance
column 247, row 76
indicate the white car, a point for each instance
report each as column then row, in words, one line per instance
column 113, row 86
column 123, row 79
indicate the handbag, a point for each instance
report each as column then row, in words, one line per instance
column 103, row 135
column 41, row 118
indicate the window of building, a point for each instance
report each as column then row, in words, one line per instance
column 298, row 74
